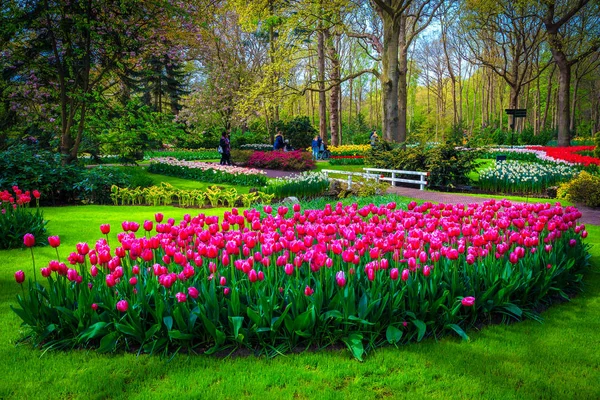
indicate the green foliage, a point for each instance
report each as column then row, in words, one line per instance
column 95, row 185
column 130, row 130
column 30, row 167
column 448, row 165
column 347, row 161
column 357, row 132
column 585, row 188
column 597, row 143
column 167, row 195
column 189, row 155
column 299, row 131
column 510, row 155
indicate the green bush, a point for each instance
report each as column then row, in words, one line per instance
column 241, row 157
column 298, row 131
column 31, row 167
column 189, row 155
column 94, row 187
column 448, row 165
column 584, row 188
column 597, row 143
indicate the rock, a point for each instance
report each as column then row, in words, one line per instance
column 291, row 200
column 551, row 192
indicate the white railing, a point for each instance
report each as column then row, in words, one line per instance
column 365, row 175
column 421, row 182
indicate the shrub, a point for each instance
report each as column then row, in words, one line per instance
column 584, row 188
column 299, row 131
column 282, row 160
column 17, row 219
column 257, row 146
column 448, row 165
column 30, row 167
column 360, row 276
column 597, row 143
column 241, row 157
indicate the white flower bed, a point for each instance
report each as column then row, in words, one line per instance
column 230, row 169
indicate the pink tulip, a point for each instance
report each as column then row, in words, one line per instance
column 122, row 305
column 83, row 248
column 226, row 291
column 46, row 272
column 340, row 279
column 468, row 301
column 94, row 271
column 193, row 292
column 405, row 274
column 181, row 297
column 105, row 229
column 94, row 306
column 158, row 217
column 29, row 240
column 426, row 270
column 252, row 275
column 20, row 276
column 222, row 281
column 148, row 225
column 394, row 274
column 133, row 281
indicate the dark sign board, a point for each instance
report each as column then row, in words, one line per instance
column 517, row 112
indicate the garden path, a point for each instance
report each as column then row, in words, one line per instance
column 589, row 215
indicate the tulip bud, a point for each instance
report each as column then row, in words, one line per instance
column 122, row 305
column 20, row 276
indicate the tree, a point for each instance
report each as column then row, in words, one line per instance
column 558, row 17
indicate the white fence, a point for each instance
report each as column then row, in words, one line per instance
column 394, row 172
column 365, row 175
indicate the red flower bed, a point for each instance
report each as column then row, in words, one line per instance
column 568, row 154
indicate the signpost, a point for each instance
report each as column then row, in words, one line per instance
column 516, row 113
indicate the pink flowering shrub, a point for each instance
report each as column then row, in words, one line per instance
column 283, row 278
column 282, row 160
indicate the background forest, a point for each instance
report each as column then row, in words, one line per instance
column 113, row 77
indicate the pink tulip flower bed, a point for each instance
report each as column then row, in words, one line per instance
column 278, row 279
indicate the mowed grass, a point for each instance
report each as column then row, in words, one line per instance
column 557, row 359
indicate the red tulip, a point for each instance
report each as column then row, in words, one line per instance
column 36, row 194
column 252, row 275
column 394, row 274
column 122, row 305
column 20, row 276
column 222, row 281
column 83, row 248
column 426, row 270
column 94, row 306
column 105, row 229
column 46, row 272
column 29, row 240
column 468, row 301
column 158, row 217
column 226, row 291
column 308, row 291
column 54, row 241
column 133, row 281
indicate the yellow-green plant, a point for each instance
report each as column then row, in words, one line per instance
column 584, row 188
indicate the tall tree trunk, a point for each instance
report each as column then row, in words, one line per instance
column 563, row 104
column 402, row 83
column 334, row 96
column 574, row 102
column 322, row 99
column 390, row 77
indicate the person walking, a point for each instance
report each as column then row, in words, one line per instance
column 315, row 147
column 279, row 144
column 374, row 139
column 225, row 148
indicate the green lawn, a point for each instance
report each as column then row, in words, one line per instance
column 321, row 165
column 557, row 359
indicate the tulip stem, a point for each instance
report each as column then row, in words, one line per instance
column 57, row 256
column 33, row 262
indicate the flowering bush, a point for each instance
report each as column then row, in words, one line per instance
column 282, row 160
column 17, row 219
column 523, row 177
column 185, row 154
column 361, row 276
column 207, row 172
column 307, row 184
column 584, row 188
